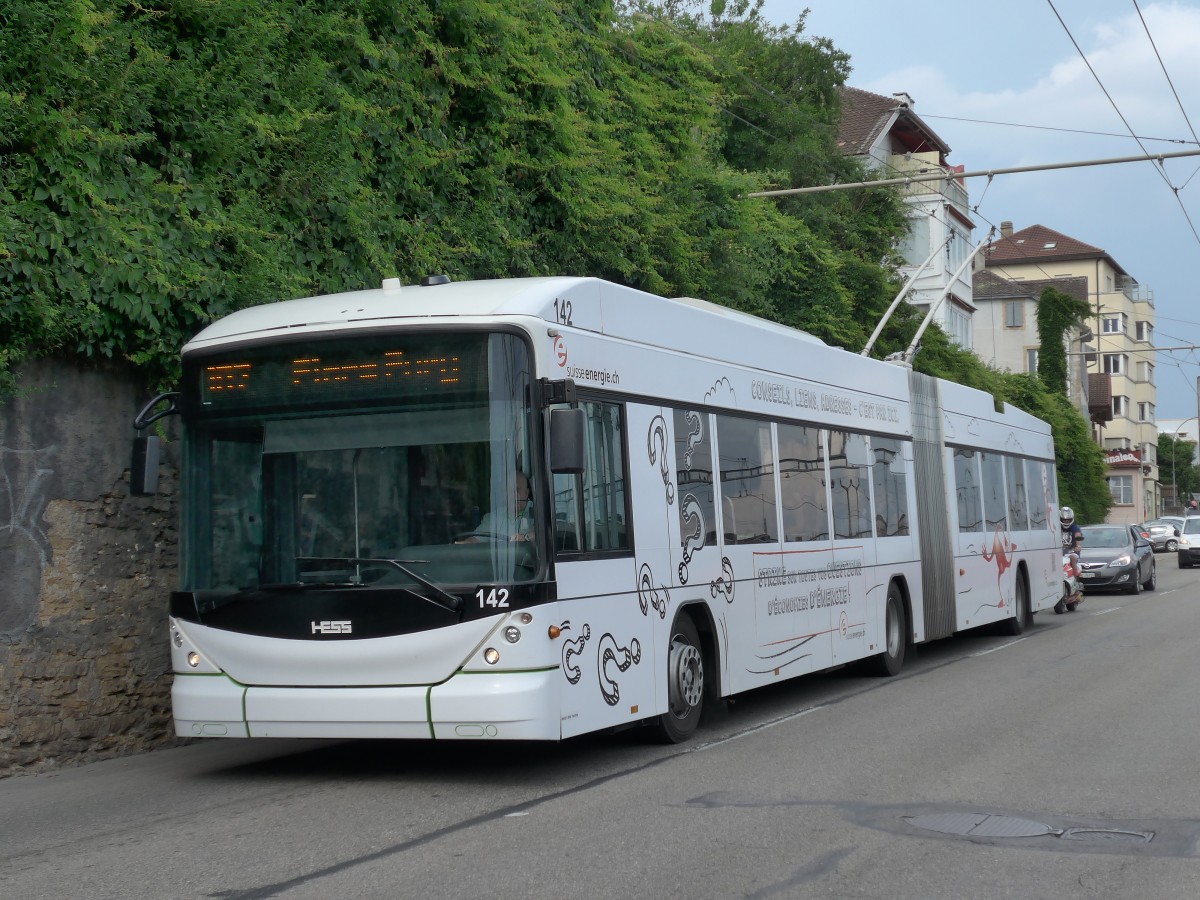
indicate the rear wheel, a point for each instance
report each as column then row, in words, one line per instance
column 1016, row 624
column 895, row 635
column 685, row 683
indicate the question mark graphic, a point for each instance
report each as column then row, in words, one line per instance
column 691, row 512
column 723, row 583
column 693, row 437
column 624, row 657
column 575, row 648
column 658, row 454
column 647, row 594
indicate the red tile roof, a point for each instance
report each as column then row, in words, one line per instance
column 1037, row 243
column 865, row 117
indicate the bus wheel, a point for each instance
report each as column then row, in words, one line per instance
column 685, row 683
column 895, row 628
column 1016, row 624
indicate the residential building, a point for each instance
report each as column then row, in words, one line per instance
column 1121, row 395
column 896, row 142
column 1006, row 330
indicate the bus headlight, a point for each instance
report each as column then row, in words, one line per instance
column 512, row 634
column 491, row 656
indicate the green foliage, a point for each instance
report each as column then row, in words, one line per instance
column 165, row 162
column 1056, row 312
column 1175, row 462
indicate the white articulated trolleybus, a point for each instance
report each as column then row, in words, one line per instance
column 535, row 508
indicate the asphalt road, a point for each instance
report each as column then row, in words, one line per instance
column 1060, row 764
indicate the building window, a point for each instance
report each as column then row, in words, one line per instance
column 1031, row 359
column 1121, row 488
column 1113, row 324
column 1120, row 405
column 958, row 325
column 957, row 250
column 1145, row 332
column 1014, row 313
column 1145, row 372
column 1116, row 363
column 1146, row 412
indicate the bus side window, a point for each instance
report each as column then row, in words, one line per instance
column 995, row 500
column 1018, row 511
column 890, row 487
column 966, row 491
column 1036, row 481
column 694, row 477
column 802, row 483
column 747, row 479
column 590, row 511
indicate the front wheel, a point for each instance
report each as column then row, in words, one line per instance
column 1151, row 582
column 1061, row 606
column 685, row 683
column 1172, row 546
column 895, row 637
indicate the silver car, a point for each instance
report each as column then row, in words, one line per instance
column 1163, row 533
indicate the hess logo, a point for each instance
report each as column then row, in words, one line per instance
column 334, row 626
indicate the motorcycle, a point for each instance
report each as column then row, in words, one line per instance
column 1072, row 591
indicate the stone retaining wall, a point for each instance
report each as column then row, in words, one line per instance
column 85, row 570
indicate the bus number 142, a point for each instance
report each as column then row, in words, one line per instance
column 494, row 597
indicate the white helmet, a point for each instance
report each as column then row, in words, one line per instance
column 1066, row 515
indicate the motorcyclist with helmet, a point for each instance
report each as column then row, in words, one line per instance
column 1072, row 534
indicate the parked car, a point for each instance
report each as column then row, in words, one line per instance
column 1163, row 533
column 1189, row 542
column 1118, row 558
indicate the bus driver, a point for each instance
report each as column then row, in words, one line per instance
column 513, row 522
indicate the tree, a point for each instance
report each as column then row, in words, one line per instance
column 165, row 163
column 1176, row 457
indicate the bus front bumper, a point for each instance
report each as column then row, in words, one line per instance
column 471, row 705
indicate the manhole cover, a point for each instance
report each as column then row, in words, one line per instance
column 981, row 825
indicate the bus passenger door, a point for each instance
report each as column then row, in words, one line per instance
column 609, row 625
column 698, row 571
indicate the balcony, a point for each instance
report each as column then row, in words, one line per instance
column 1100, row 397
column 904, row 164
column 1137, row 293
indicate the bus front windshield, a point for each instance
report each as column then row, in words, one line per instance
column 376, row 461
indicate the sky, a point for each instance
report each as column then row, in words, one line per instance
column 1016, row 63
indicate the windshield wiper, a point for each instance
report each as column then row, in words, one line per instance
column 444, row 598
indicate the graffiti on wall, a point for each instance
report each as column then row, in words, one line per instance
column 24, row 547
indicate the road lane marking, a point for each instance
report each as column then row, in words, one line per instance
column 1001, row 647
column 707, row 745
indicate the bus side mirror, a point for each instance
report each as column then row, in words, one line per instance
column 567, row 441
column 143, row 469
